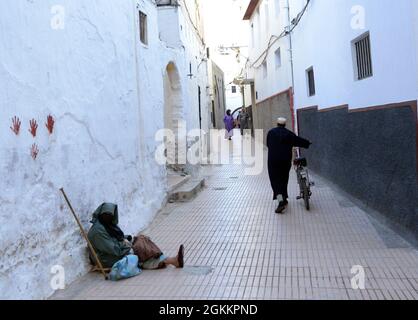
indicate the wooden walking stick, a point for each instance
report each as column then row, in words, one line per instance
column 99, row 264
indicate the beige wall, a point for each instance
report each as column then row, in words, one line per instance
column 218, row 83
column 269, row 110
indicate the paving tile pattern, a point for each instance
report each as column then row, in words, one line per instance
column 238, row 248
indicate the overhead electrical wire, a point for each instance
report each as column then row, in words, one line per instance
column 285, row 32
column 192, row 22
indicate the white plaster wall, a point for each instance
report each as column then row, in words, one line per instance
column 151, row 67
column 195, row 53
column 323, row 40
column 189, row 49
column 415, row 19
column 277, row 79
column 169, row 26
column 231, row 69
column 218, row 94
column 102, row 149
column 233, row 100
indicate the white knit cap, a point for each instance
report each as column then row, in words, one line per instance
column 281, row 121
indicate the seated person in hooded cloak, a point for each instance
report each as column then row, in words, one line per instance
column 111, row 244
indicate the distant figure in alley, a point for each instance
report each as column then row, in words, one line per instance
column 229, row 125
column 243, row 118
column 280, row 143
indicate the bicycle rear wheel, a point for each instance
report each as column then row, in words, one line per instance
column 306, row 195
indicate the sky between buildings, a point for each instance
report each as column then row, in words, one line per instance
column 224, row 26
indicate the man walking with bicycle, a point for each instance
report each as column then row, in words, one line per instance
column 280, row 143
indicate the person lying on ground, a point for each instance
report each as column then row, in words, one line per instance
column 112, row 245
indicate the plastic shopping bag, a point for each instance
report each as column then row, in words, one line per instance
column 125, row 268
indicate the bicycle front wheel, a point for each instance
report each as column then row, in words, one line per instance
column 306, row 194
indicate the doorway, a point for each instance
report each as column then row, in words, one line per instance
column 174, row 117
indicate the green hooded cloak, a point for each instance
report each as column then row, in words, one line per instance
column 108, row 248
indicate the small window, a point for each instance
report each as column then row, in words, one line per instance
column 234, row 89
column 363, row 57
column 265, row 69
column 252, row 36
column 213, row 114
column 278, row 58
column 311, row 81
column 258, row 26
column 143, row 31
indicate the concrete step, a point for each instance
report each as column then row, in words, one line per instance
column 187, row 191
column 175, row 181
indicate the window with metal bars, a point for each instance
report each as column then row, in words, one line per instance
column 278, row 58
column 311, row 81
column 162, row 3
column 363, row 57
column 143, row 31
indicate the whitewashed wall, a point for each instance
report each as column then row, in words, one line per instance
column 269, row 19
column 233, row 100
column 182, row 46
column 105, row 90
column 415, row 20
column 218, row 95
column 150, row 65
column 84, row 76
column 323, row 40
column 194, row 53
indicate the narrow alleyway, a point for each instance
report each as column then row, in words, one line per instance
column 237, row 248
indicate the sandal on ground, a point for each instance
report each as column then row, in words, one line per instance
column 180, row 257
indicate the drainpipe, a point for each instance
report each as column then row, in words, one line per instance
column 292, row 71
column 254, row 108
column 141, row 131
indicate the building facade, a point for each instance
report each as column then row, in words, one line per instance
column 85, row 86
column 227, row 39
column 218, row 96
column 186, row 76
column 267, row 66
column 352, row 66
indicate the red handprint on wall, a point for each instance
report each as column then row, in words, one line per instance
column 50, row 124
column 33, row 127
column 34, row 151
column 16, row 125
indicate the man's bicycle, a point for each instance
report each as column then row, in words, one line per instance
column 304, row 182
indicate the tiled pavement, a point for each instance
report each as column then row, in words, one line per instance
column 237, row 248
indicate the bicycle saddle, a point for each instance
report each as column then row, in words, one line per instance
column 301, row 162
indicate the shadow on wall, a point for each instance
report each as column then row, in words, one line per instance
column 370, row 153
